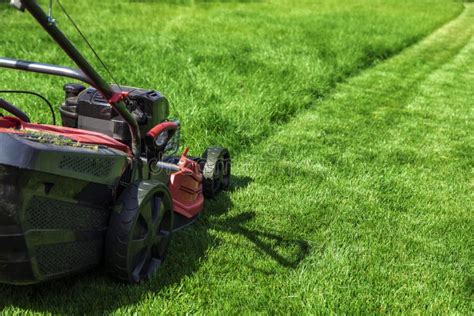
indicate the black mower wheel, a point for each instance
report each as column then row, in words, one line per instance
column 216, row 166
column 139, row 234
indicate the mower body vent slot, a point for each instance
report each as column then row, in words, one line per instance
column 44, row 213
column 59, row 258
column 98, row 167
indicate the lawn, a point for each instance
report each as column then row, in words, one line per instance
column 233, row 71
column 353, row 153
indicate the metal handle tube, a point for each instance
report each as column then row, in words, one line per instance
column 97, row 81
column 44, row 69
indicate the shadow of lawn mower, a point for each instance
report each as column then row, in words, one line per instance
column 85, row 293
column 106, row 186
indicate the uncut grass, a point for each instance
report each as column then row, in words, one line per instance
column 232, row 71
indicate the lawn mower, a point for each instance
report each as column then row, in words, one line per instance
column 106, row 187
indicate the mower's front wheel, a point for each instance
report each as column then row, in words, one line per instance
column 140, row 232
column 216, row 168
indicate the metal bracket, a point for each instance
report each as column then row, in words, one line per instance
column 51, row 20
column 17, row 5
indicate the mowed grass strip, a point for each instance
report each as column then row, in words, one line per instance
column 377, row 180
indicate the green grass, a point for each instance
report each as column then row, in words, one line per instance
column 233, row 71
column 360, row 203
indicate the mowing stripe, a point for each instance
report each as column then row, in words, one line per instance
column 377, row 180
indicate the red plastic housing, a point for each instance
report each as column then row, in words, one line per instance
column 186, row 188
column 13, row 125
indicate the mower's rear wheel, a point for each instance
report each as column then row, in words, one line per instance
column 139, row 235
column 216, row 171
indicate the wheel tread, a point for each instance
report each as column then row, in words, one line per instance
column 121, row 224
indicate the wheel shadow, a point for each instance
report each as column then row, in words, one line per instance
column 93, row 291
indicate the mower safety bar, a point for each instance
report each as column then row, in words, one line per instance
column 44, row 69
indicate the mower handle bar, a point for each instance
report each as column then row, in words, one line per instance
column 44, row 69
column 86, row 71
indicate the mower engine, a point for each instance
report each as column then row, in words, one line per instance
column 85, row 108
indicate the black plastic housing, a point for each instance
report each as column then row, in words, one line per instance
column 55, row 202
column 89, row 110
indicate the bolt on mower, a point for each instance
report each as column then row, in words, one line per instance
column 106, row 187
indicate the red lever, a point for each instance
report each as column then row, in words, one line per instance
column 185, row 153
column 155, row 131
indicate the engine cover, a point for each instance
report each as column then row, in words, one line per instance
column 90, row 111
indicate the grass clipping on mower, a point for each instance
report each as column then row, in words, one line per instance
column 55, row 139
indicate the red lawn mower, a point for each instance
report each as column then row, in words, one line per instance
column 105, row 187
